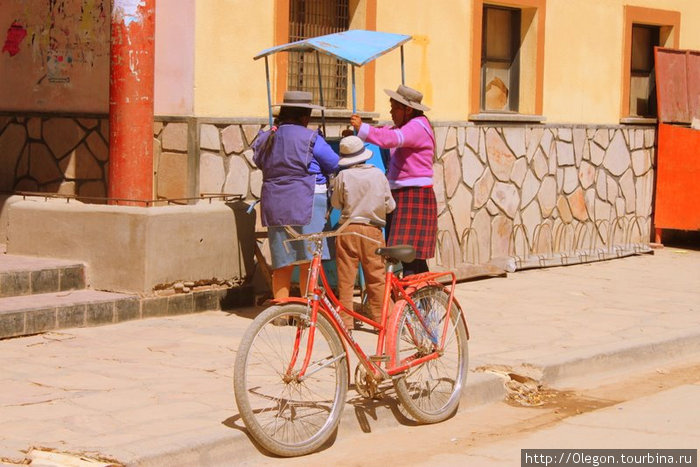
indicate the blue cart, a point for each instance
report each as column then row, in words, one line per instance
column 356, row 48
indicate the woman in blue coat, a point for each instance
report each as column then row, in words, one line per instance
column 295, row 162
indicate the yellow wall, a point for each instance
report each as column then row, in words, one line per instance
column 62, row 62
column 582, row 64
column 690, row 25
column 228, row 82
column 583, row 60
column 437, row 59
column 583, row 55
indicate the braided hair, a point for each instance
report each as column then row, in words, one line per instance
column 291, row 115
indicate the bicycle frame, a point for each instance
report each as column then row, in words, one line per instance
column 320, row 298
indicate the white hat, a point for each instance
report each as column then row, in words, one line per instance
column 408, row 96
column 353, row 151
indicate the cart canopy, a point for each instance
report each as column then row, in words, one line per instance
column 356, row 46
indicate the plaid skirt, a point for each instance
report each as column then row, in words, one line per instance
column 414, row 221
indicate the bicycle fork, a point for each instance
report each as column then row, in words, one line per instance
column 307, row 370
column 419, row 330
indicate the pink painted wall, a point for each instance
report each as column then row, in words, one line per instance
column 55, row 55
column 174, row 73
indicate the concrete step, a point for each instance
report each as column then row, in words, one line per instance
column 44, row 294
column 26, row 275
column 33, row 314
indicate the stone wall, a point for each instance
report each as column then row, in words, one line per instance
column 521, row 191
column 503, row 191
column 221, row 155
column 54, row 155
column 216, row 158
column 543, row 191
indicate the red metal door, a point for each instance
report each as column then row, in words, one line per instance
column 678, row 156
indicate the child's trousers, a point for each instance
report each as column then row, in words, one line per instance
column 352, row 250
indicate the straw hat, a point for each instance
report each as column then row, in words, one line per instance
column 353, row 151
column 297, row 99
column 408, row 96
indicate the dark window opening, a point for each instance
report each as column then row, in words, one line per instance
column 642, row 80
column 500, row 59
column 311, row 18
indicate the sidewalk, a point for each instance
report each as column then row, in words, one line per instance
column 158, row 392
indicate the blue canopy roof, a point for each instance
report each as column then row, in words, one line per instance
column 356, row 46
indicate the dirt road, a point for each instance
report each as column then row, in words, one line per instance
column 467, row 438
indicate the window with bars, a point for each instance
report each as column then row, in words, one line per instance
column 311, row 18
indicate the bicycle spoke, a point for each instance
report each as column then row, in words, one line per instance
column 284, row 414
column 430, row 390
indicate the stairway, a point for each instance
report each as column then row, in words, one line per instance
column 41, row 294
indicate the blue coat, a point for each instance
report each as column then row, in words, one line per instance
column 290, row 171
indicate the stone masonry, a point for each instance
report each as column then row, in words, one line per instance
column 69, row 156
column 503, row 190
column 534, row 190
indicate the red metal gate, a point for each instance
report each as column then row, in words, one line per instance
column 678, row 157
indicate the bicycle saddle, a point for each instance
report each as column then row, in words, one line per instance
column 403, row 253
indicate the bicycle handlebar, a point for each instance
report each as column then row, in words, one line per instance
column 318, row 236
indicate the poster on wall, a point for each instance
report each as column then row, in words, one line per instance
column 55, row 55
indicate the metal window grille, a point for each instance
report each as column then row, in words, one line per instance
column 311, row 18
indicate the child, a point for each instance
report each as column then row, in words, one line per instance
column 360, row 190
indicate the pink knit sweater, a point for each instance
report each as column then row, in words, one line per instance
column 412, row 148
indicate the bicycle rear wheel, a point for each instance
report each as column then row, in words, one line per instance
column 430, row 392
column 288, row 416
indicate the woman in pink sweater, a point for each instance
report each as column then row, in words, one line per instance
column 411, row 145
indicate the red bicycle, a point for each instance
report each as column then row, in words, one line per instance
column 291, row 370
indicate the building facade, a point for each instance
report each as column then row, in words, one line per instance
column 544, row 110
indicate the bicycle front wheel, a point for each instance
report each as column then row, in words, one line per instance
column 430, row 391
column 288, row 415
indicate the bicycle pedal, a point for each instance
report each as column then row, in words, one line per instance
column 379, row 358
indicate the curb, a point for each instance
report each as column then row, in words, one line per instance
column 359, row 416
column 633, row 353
column 364, row 416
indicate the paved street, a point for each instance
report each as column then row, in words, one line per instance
column 158, row 392
column 643, row 410
column 658, row 421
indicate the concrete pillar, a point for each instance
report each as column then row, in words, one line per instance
column 131, row 101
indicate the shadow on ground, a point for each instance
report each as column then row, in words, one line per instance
column 688, row 239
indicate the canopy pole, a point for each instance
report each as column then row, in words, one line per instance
column 354, row 95
column 320, row 92
column 403, row 73
column 269, row 96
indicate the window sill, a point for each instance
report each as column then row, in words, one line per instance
column 506, row 118
column 638, row 121
column 344, row 114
